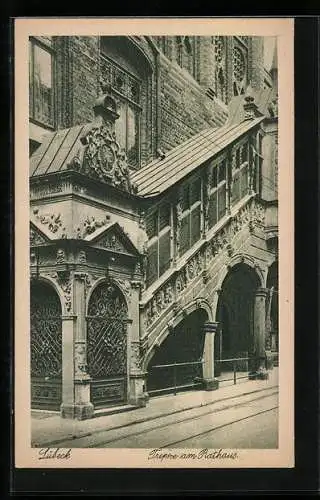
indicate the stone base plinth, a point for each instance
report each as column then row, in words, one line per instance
column 77, row 411
column 259, row 375
column 211, row 384
column 137, row 394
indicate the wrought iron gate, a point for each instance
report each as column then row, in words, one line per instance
column 46, row 347
column 107, row 346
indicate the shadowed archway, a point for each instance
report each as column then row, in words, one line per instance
column 235, row 314
column 182, row 350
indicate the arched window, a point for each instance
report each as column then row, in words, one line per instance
column 127, row 71
column 220, row 67
column 239, row 71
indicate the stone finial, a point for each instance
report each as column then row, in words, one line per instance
column 250, row 107
column 106, row 108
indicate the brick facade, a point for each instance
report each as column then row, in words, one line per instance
column 213, row 223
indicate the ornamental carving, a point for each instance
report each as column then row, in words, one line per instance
column 80, row 365
column 103, row 159
column 257, row 216
column 61, row 257
column 273, row 108
column 112, row 242
column 53, row 222
column 36, row 238
column 82, row 257
column 65, row 283
column 90, row 225
column 178, row 226
column 66, row 286
column 135, row 356
column 199, row 264
column 125, row 287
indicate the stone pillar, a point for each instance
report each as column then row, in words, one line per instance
column 68, row 326
column 210, row 330
column 259, row 340
column 80, row 407
column 137, row 394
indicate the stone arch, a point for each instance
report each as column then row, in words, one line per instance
column 46, row 347
column 235, row 260
column 105, row 280
column 53, row 283
column 192, row 306
column 128, row 49
column 107, row 341
column 178, row 362
column 234, row 310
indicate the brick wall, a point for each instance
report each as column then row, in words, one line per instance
column 184, row 107
column 175, row 105
column 256, row 61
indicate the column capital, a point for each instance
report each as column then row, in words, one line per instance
column 261, row 292
column 210, row 326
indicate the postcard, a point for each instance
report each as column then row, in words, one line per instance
column 154, row 243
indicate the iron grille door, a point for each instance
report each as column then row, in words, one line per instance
column 46, row 348
column 107, row 346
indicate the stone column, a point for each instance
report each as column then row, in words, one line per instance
column 80, row 406
column 67, row 405
column 137, row 394
column 259, row 340
column 210, row 329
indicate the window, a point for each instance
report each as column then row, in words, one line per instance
column 185, row 53
column 220, row 67
column 126, row 89
column 239, row 71
column 159, row 250
column 41, row 95
column 240, row 172
column 217, row 190
column 190, row 228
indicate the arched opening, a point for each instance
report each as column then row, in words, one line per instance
column 176, row 365
column 272, row 309
column 235, row 314
column 107, row 321
column 45, row 347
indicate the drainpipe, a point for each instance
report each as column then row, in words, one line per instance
column 158, row 96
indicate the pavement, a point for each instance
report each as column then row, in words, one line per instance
column 49, row 429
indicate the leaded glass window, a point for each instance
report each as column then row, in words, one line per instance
column 217, row 191
column 158, row 225
column 190, row 224
column 41, row 90
column 239, row 70
column 127, row 93
column 220, row 67
column 240, row 171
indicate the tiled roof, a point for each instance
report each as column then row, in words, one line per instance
column 161, row 174
column 59, row 148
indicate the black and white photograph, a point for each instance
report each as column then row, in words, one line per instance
column 153, row 273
